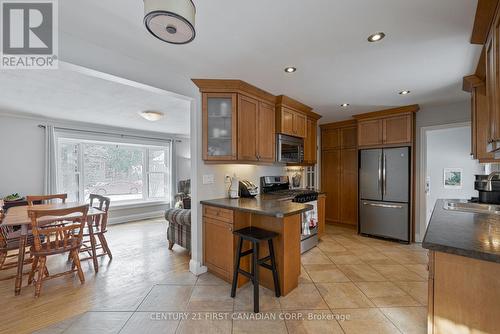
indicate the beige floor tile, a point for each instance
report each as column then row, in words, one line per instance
column 244, row 299
column 305, row 296
column 315, row 256
column 325, row 273
column 211, row 298
column 207, row 326
column 150, row 322
column 251, row 323
column 304, row 276
column 418, row 290
column 312, row 322
column 410, row 320
column 402, row 256
column 344, row 257
column 373, row 257
column 343, row 295
column 386, row 294
column 419, row 269
column 184, row 277
column 397, row 272
column 331, row 246
column 167, row 298
column 364, row 321
column 99, row 322
column 361, row 273
column 210, row 279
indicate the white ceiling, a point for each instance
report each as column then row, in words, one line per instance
column 69, row 94
column 426, row 50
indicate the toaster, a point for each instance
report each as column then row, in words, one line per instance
column 248, row 189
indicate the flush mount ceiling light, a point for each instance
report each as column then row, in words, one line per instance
column 171, row 21
column 152, row 116
column 290, row 69
column 404, row 92
column 376, row 37
column 344, row 105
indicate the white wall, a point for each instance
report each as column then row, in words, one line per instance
column 23, row 155
column 182, row 149
column 449, row 148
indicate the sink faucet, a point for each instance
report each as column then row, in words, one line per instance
column 489, row 186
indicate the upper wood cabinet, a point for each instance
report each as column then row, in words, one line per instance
column 480, row 133
column 330, row 138
column 266, row 136
column 291, row 123
column 387, row 127
column 248, row 113
column 310, row 142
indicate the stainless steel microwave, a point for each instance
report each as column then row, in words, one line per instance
column 289, row 149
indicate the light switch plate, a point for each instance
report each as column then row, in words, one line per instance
column 208, row 179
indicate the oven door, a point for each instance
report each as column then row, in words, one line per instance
column 290, row 149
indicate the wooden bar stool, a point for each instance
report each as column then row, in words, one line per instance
column 255, row 235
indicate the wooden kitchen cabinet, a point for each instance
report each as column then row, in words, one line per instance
column 339, row 171
column 389, row 127
column 292, row 123
column 266, row 134
column 480, row 125
column 299, row 125
column 248, row 114
column 310, row 142
column 217, row 246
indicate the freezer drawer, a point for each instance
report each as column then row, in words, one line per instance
column 384, row 219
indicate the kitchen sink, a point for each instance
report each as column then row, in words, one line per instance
column 457, row 205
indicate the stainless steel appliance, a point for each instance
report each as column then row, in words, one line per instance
column 279, row 188
column 384, row 192
column 248, row 189
column 289, row 149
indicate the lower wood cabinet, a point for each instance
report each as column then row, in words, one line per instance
column 330, row 183
column 217, row 241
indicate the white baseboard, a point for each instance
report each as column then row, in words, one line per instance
column 117, row 219
column 196, row 267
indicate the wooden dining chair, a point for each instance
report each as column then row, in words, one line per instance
column 9, row 249
column 45, row 198
column 61, row 233
column 96, row 227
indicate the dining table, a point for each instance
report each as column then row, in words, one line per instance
column 18, row 217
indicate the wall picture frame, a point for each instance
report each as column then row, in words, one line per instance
column 453, row 178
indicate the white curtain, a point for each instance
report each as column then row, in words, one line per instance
column 50, row 182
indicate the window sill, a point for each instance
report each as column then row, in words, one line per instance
column 135, row 204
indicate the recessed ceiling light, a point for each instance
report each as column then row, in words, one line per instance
column 376, row 37
column 290, row 69
column 404, row 92
column 152, row 116
column 344, row 105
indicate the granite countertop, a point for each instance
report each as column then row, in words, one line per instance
column 474, row 235
column 260, row 205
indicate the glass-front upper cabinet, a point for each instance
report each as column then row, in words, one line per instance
column 219, row 126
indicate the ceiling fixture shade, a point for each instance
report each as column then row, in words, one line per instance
column 376, row 37
column 171, row 21
column 152, row 116
column 404, row 92
column 290, row 69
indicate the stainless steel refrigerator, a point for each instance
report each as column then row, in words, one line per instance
column 384, row 192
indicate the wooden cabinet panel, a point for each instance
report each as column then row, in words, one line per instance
column 330, row 183
column 480, row 125
column 310, row 142
column 495, row 110
column 370, row 132
column 218, row 213
column 349, row 188
column 287, row 121
column 397, row 130
column 248, row 109
column 491, row 87
column 299, row 125
column 321, row 215
column 349, row 137
column 266, row 131
column 330, row 139
column 218, row 247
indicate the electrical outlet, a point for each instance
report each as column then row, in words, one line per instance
column 208, row 179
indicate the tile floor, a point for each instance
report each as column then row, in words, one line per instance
column 349, row 284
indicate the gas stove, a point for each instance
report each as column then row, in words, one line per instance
column 279, row 186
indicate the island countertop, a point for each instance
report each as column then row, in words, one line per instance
column 473, row 235
column 260, row 205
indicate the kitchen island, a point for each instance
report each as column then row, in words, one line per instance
column 223, row 216
column 464, row 271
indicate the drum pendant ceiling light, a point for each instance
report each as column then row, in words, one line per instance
column 172, row 21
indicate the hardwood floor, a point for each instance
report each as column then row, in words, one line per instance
column 141, row 259
column 349, row 284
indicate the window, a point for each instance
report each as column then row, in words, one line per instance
column 122, row 171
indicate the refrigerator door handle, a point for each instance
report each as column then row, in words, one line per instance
column 380, row 190
column 384, row 177
column 380, row 205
